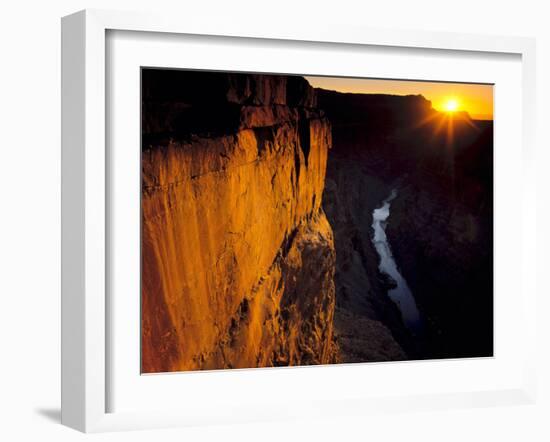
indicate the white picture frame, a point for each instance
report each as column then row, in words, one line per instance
column 85, row 205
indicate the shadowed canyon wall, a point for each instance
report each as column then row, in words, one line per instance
column 439, row 228
column 237, row 254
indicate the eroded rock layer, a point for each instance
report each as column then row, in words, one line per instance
column 237, row 254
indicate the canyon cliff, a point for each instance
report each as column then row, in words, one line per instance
column 238, row 257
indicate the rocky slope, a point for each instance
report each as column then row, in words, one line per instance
column 237, row 254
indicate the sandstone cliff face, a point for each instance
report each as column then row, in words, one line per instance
column 237, row 254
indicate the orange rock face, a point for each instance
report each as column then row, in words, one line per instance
column 237, row 254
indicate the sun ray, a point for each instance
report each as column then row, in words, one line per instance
column 426, row 120
column 442, row 120
column 468, row 121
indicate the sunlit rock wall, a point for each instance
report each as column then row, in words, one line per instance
column 237, row 254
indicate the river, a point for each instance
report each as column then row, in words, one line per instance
column 401, row 295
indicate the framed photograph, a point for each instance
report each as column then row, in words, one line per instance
column 270, row 223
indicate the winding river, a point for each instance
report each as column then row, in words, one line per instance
column 401, row 295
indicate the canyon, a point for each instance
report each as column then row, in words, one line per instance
column 441, row 224
column 258, row 196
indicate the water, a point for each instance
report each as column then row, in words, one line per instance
column 401, row 295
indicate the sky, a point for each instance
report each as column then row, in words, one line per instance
column 476, row 99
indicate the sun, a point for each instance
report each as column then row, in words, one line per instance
column 451, row 105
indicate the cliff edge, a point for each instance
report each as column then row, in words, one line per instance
column 238, row 257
